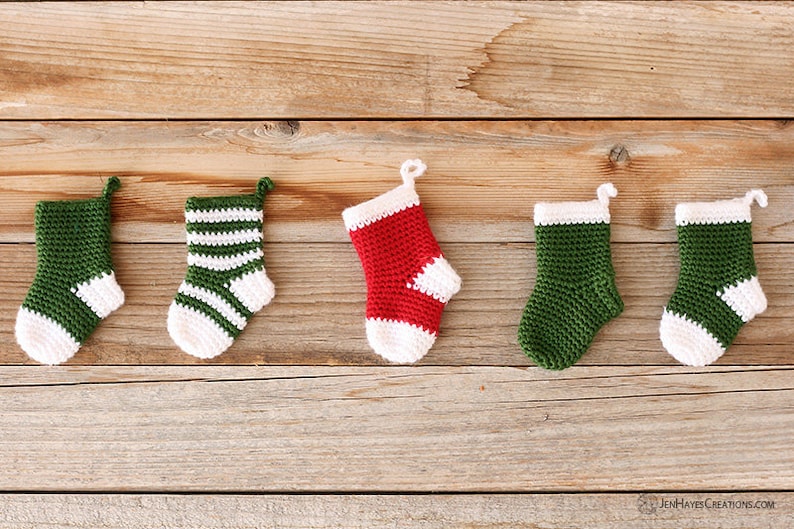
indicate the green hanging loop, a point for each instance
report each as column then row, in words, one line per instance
column 111, row 186
column 263, row 186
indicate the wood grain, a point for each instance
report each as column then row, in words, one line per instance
column 299, row 424
column 317, row 429
column 483, row 181
column 317, row 316
column 438, row 511
column 395, row 59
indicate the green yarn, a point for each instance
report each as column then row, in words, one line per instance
column 574, row 295
column 224, row 251
column 221, row 227
column 72, row 246
column 713, row 257
column 217, row 281
column 253, row 200
column 225, row 282
column 718, row 289
column 214, row 315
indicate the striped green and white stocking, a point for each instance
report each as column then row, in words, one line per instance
column 718, row 289
column 75, row 286
column 575, row 293
column 226, row 282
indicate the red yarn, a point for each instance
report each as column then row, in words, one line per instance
column 393, row 251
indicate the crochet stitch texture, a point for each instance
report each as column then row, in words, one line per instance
column 409, row 282
column 575, row 293
column 226, row 282
column 75, row 284
column 718, row 289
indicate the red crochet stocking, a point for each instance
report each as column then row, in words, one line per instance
column 408, row 280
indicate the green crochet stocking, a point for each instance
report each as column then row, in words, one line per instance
column 226, row 281
column 575, row 293
column 75, row 286
column 718, row 290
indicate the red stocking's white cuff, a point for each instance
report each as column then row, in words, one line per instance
column 385, row 205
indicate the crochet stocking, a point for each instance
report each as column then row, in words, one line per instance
column 718, row 289
column 226, row 281
column 75, row 286
column 575, row 293
column 409, row 282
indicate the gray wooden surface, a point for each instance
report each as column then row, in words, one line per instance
column 436, row 511
column 407, row 429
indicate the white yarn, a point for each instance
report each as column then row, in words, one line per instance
column 47, row 341
column 605, row 192
column 212, row 299
column 411, row 170
column 398, row 341
column 758, row 195
column 587, row 212
column 43, row 339
column 224, row 215
column 745, row 298
column 719, row 211
column 687, row 341
column 225, row 238
column 394, row 201
column 403, row 342
column 102, row 294
column 195, row 333
column 692, row 344
column 437, row 279
column 254, row 290
column 212, row 262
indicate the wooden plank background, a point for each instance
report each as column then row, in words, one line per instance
column 397, row 60
column 300, row 424
column 398, row 429
column 435, row 511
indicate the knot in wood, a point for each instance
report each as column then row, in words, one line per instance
column 279, row 129
column 619, row 154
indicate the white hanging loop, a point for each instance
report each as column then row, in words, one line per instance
column 758, row 195
column 411, row 170
column 604, row 192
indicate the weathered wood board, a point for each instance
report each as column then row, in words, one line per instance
column 436, row 511
column 317, row 316
column 396, row 59
column 390, row 429
column 482, row 183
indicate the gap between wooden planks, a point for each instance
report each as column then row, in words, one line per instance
column 438, row 511
column 412, row 429
column 383, row 59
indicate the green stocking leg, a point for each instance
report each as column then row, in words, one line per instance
column 575, row 293
column 75, row 286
